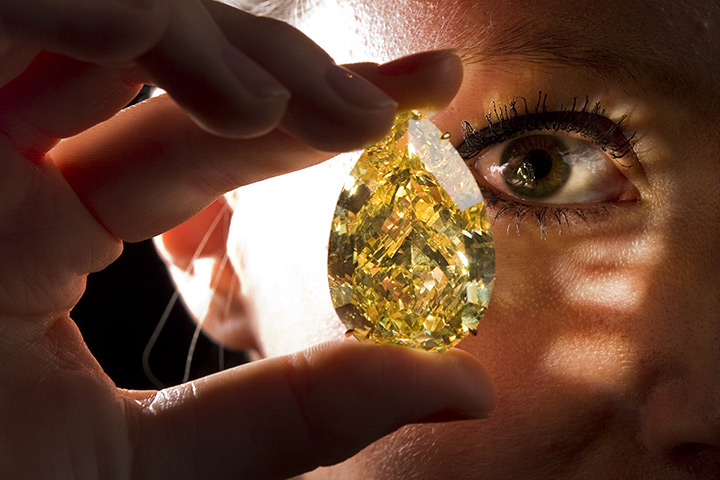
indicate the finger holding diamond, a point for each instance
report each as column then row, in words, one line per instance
column 150, row 168
column 224, row 90
column 409, row 78
column 324, row 404
column 331, row 107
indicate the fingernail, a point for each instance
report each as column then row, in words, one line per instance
column 417, row 61
column 357, row 91
column 253, row 78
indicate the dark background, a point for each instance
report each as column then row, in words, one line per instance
column 120, row 310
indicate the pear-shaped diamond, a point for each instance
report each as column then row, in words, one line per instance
column 411, row 260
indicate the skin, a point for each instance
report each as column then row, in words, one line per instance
column 601, row 340
column 602, row 336
column 78, row 177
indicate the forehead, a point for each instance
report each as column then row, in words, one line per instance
column 647, row 22
column 657, row 43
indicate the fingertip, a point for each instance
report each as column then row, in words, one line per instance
column 474, row 381
column 251, row 102
column 239, row 118
column 418, row 383
column 462, row 385
column 426, row 81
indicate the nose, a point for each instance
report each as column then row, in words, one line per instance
column 681, row 413
column 681, row 410
column 681, row 421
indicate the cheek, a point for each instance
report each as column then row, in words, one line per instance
column 560, row 341
column 566, row 306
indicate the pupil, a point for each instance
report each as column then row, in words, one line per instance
column 541, row 163
column 534, row 167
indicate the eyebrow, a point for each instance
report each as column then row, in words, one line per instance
column 610, row 60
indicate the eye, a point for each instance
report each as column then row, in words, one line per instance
column 570, row 158
column 553, row 168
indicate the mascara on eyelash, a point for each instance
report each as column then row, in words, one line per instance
column 544, row 215
column 508, row 122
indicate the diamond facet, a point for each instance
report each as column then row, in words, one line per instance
column 411, row 259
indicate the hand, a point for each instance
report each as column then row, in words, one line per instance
column 248, row 98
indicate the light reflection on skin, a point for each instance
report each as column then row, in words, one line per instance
column 606, row 277
column 597, row 361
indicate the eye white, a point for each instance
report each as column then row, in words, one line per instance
column 593, row 176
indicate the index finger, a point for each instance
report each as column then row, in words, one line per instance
column 150, row 168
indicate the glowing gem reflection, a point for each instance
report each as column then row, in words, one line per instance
column 411, row 259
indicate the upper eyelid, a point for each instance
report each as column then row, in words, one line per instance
column 611, row 138
column 591, row 123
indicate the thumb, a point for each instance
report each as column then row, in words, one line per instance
column 287, row 415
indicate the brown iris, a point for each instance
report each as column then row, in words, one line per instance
column 534, row 166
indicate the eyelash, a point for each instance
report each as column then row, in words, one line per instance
column 592, row 124
column 562, row 216
column 508, row 123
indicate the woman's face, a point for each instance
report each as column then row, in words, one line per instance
column 603, row 335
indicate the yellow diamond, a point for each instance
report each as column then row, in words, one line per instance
column 411, row 260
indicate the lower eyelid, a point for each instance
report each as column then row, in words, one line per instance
column 545, row 217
